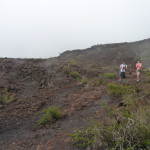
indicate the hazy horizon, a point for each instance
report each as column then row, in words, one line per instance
column 44, row 29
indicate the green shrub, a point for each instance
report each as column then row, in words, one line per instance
column 97, row 82
column 145, row 70
column 120, row 130
column 74, row 74
column 125, row 134
column 66, row 69
column 50, row 114
column 6, row 99
column 119, row 90
column 109, row 75
column 73, row 62
column 147, row 74
column 129, row 99
column 84, row 81
column 83, row 139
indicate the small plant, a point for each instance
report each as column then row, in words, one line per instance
column 97, row 82
column 6, row 99
column 129, row 99
column 147, row 74
column 83, row 139
column 145, row 70
column 119, row 90
column 84, row 81
column 73, row 62
column 80, row 56
column 50, row 114
column 109, row 75
column 74, row 74
column 65, row 69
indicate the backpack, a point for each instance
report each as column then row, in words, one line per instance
column 123, row 66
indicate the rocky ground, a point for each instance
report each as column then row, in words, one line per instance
column 30, row 85
column 37, row 84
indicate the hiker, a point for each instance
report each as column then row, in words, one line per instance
column 123, row 68
column 138, row 69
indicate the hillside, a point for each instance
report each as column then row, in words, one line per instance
column 111, row 54
column 76, row 81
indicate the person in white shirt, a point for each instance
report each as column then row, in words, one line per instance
column 123, row 68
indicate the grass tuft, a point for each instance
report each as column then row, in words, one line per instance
column 50, row 114
column 84, row 81
column 97, row 82
column 109, row 75
column 74, row 74
column 116, row 90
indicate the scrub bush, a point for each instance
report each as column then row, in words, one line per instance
column 109, row 75
column 74, row 74
column 84, row 81
column 4, row 99
column 126, row 128
column 50, row 114
column 116, row 90
column 97, row 82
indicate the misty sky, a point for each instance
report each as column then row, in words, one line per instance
column 46, row 28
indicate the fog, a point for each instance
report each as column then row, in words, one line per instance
column 46, row 28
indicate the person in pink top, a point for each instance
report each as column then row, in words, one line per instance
column 138, row 69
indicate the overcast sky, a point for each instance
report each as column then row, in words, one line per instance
column 45, row 28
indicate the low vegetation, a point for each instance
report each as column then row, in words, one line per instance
column 49, row 115
column 70, row 71
column 74, row 74
column 116, row 90
column 83, row 138
column 110, row 75
column 146, row 72
column 6, row 97
column 73, row 62
column 84, row 81
column 97, row 82
column 66, row 69
column 125, row 128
